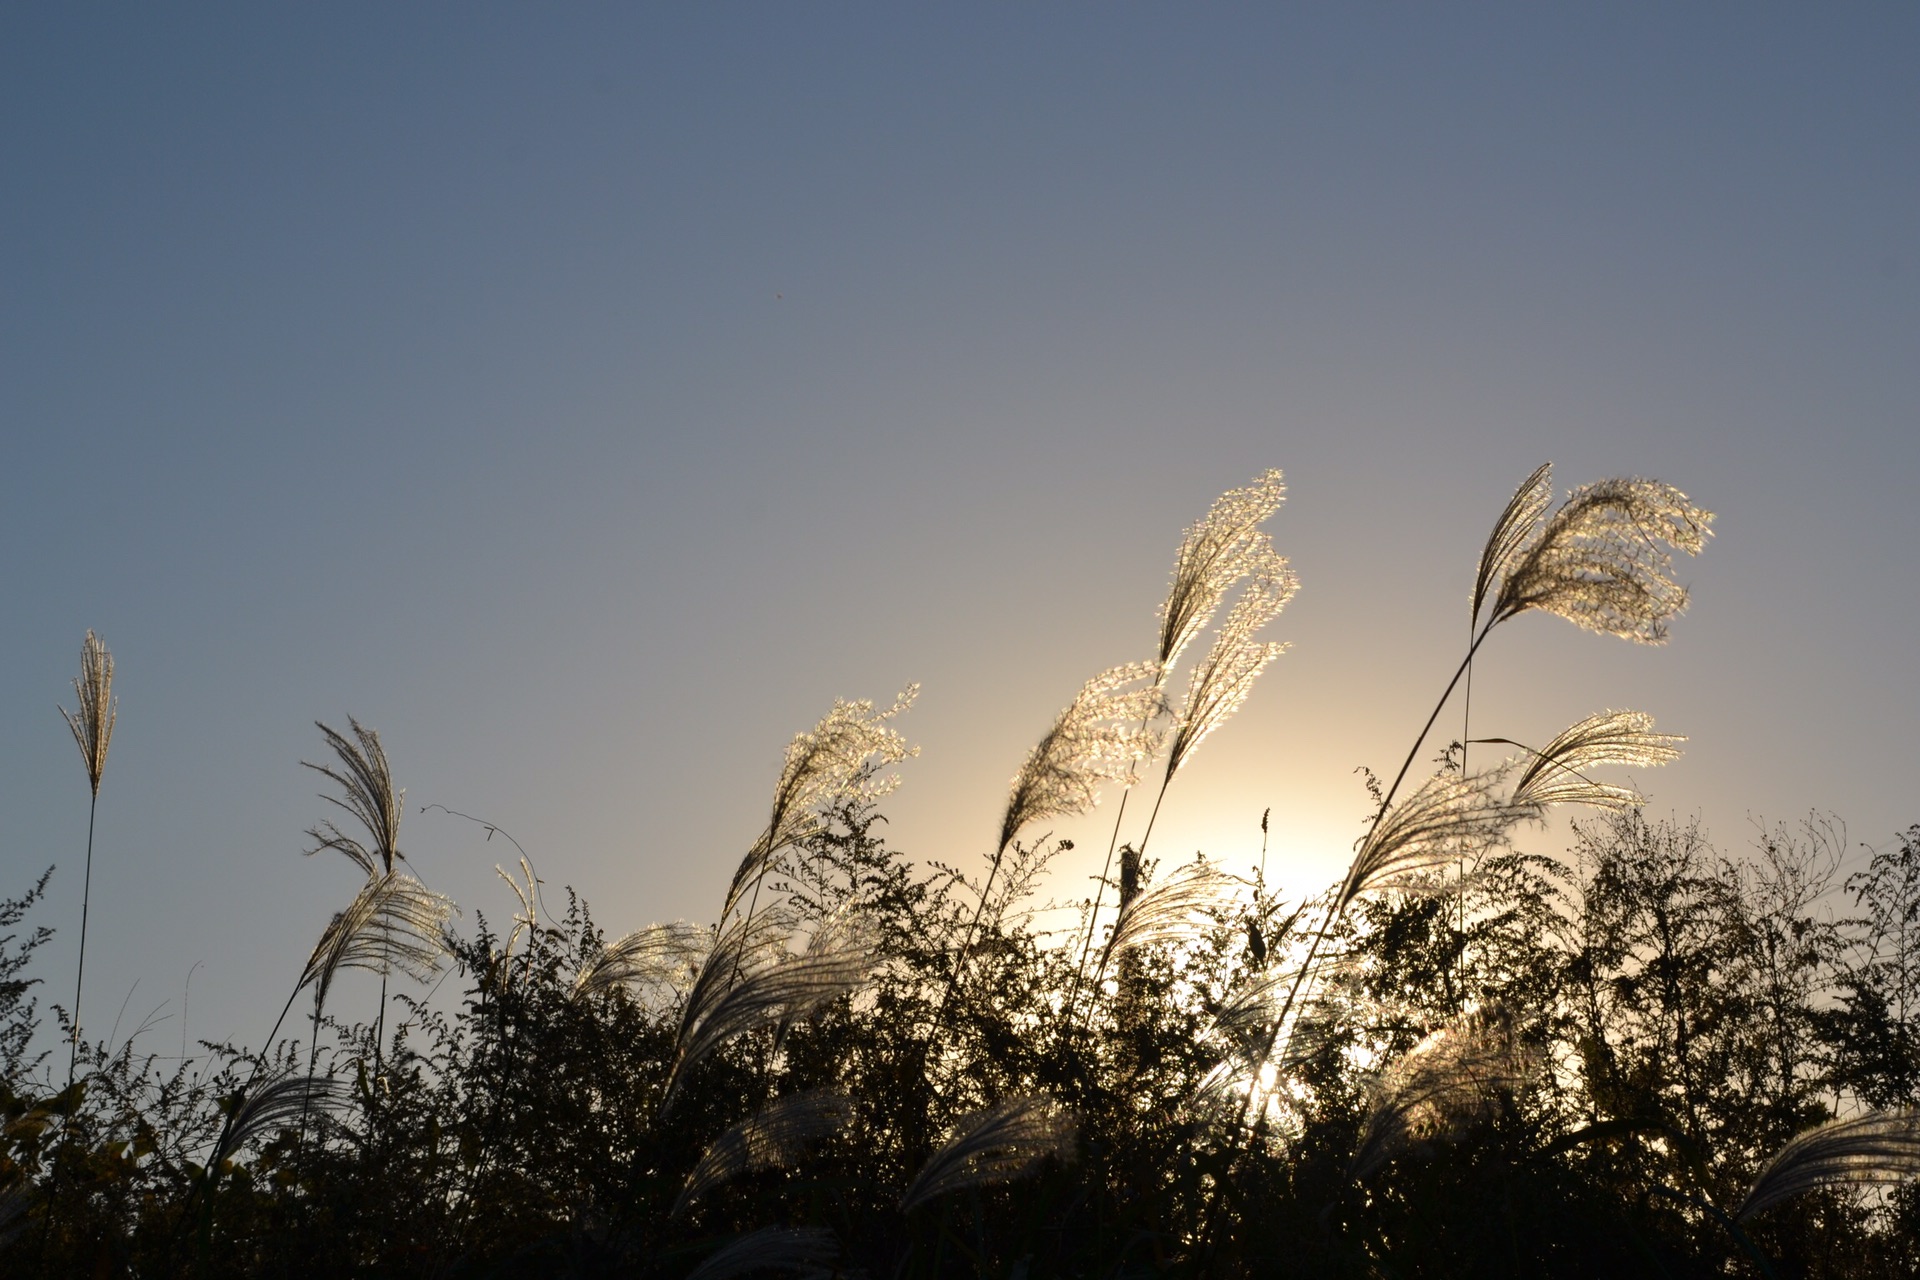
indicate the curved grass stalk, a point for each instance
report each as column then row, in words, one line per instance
column 1602, row 561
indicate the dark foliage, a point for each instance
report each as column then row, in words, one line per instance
column 1684, row 1015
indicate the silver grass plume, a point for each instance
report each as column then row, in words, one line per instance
column 1513, row 532
column 367, row 792
column 843, row 755
column 806, row 1251
column 1097, row 738
column 394, row 922
column 749, row 943
column 1878, row 1149
column 1003, row 1142
column 526, row 921
column 1443, row 1084
column 660, row 955
column 1168, row 911
column 745, row 995
column 1222, row 683
column 1602, row 560
column 92, row 724
column 1269, row 1031
column 1557, row 773
column 275, row 1104
column 1211, row 559
column 775, row 1139
column 1245, row 1020
column 1430, row 828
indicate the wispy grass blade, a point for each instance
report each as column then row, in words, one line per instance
column 748, row 994
column 774, row 1139
column 1557, row 773
column 1008, row 1140
column 1516, row 528
column 1096, row 739
column 1880, row 1149
column 92, row 724
column 1173, row 909
column 1443, row 1084
column 1211, row 559
column 1604, row 560
column 1221, row 684
column 268, row 1106
column 1432, row 827
column 393, row 923
column 845, row 754
column 366, row 792
column 660, row 955
column 92, row 727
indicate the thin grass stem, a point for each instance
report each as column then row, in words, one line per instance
column 79, row 977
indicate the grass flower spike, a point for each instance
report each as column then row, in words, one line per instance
column 92, row 724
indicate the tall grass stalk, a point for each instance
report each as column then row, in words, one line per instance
column 1603, row 561
column 92, row 726
column 1215, row 553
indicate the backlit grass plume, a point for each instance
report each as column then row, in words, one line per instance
column 367, row 792
column 1513, row 533
column 1443, row 1084
column 92, row 727
column 393, row 923
column 1096, row 739
column 1008, row 1140
column 268, row 1106
column 660, row 955
column 844, row 755
column 1212, row 557
column 1226, row 547
column 1099, row 737
column 802, row 1251
column 1244, row 1021
column 1881, row 1149
column 776, row 1138
column 740, row 990
column 1430, row 828
column 1557, row 773
column 1604, row 560
column 1221, row 684
column 1171, row 910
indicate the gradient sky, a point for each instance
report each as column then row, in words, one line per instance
column 586, row 398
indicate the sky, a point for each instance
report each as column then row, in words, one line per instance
column 586, row 397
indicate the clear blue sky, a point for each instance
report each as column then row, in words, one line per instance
column 586, row 397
